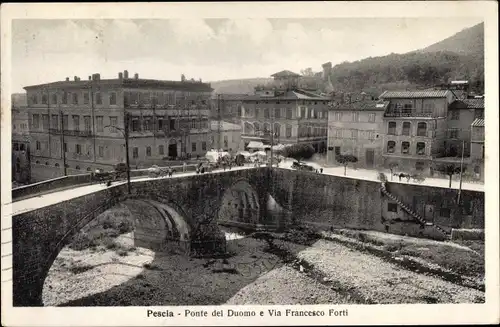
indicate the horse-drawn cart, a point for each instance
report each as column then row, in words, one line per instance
column 107, row 177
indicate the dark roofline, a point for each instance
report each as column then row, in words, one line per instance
column 135, row 83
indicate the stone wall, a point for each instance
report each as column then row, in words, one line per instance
column 50, row 185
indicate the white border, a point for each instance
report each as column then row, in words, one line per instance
column 372, row 314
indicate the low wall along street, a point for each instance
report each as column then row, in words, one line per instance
column 167, row 210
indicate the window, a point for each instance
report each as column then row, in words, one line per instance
column 422, row 129
column 112, row 98
column 65, row 98
column 57, row 165
column 76, row 122
column 371, row 135
column 289, row 113
column 391, row 147
column 355, row 116
column 391, row 128
column 160, row 124
column 65, row 122
column 101, row 151
column 455, row 114
column 55, row 122
column 338, row 133
column 53, row 99
column 172, row 124
column 354, row 133
column 193, row 123
column 147, row 123
column 36, row 121
column 77, row 167
column 65, row 147
column 204, row 146
column 225, row 142
column 22, row 147
column 405, row 147
column 277, row 129
column 78, row 149
column 15, row 146
column 85, row 98
column 86, row 123
column 392, row 207
column 453, row 133
column 288, row 131
column 419, row 166
column 428, row 108
column 257, row 112
column 193, row 147
column 74, row 98
column 44, row 98
column 148, row 151
column 277, row 113
column 98, row 98
column 479, row 113
column 444, row 212
column 45, row 122
column 135, row 124
column 266, row 112
column 371, row 118
column 135, row 152
column 420, row 148
column 34, row 99
column 113, row 121
column 406, row 128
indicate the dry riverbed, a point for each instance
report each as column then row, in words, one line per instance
column 328, row 273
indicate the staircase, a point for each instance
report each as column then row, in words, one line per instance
column 412, row 213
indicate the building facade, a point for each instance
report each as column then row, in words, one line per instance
column 227, row 107
column 226, row 136
column 354, row 128
column 477, row 153
column 79, row 125
column 21, row 167
column 285, row 114
column 415, row 128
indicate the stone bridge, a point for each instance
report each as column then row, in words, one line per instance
column 191, row 208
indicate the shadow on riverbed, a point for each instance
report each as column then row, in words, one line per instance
column 175, row 279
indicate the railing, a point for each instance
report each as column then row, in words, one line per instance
column 408, row 114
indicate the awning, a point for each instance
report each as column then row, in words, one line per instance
column 478, row 122
column 255, row 145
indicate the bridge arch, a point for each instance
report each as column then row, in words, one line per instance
column 240, row 205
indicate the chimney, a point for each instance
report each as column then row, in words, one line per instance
column 125, row 74
column 97, row 76
column 120, row 76
column 67, row 79
column 90, row 78
column 76, row 78
column 136, row 76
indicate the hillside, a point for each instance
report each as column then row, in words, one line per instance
column 469, row 41
column 460, row 56
column 239, row 86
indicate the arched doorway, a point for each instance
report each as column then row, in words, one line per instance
column 172, row 148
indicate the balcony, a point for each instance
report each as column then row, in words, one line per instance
column 56, row 131
column 392, row 113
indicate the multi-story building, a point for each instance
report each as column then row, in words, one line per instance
column 79, row 125
column 226, row 136
column 477, row 148
column 21, row 168
column 285, row 113
column 414, row 127
column 354, row 128
column 227, row 107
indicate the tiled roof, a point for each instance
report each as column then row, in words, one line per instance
column 414, row 94
column 230, row 97
column 468, row 104
column 130, row 82
column 224, row 126
column 478, row 122
column 375, row 105
column 285, row 73
column 289, row 95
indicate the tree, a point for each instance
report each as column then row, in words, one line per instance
column 450, row 170
column 308, row 72
column 298, row 151
column 345, row 159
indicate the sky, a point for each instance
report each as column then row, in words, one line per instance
column 211, row 49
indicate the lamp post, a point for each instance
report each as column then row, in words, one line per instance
column 124, row 132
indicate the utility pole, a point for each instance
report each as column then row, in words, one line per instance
column 272, row 136
column 461, row 173
column 125, row 129
column 63, row 148
column 218, row 125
